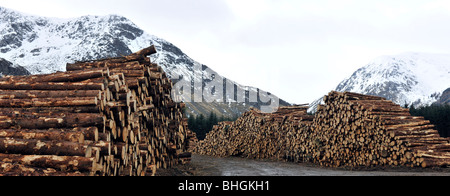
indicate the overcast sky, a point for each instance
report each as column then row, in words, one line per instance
column 296, row 49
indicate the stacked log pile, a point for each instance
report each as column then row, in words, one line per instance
column 350, row 130
column 256, row 135
column 106, row 117
column 358, row 130
column 192, row 140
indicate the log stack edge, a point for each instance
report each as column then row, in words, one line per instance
column 110, row 117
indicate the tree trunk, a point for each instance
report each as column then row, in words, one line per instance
column 41, row 122
column 62, row 163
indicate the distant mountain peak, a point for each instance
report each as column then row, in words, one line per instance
column 411, row 78
column 43, row 45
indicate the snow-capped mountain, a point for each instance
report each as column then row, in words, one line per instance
column 410, row 78
column 44, row 45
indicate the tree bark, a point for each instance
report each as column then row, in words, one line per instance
column 7, row 85
column 32, row 94
column 61, row 163
column 71, row 135
column 74, row 76
column 43, row 147
column 49, row 102
column 41, row 122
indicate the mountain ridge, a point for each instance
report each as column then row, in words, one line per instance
column 410, row 78
column 445, row 98
column 44, row 45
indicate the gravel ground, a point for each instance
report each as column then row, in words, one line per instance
column 212, row 166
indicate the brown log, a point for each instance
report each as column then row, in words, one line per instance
column 145, row 52
column 61, row 163
column 416, row 128
column 15, row 169
column 425, row 131
column 72, row 135
column 30, row 94
column 130, row 73
column 43, row 147
column 55, row 110
column 430, row 162
column 404, row 121
column 112, row 66
column 407, row 124
column 74, row 76
column 7, row 85
column 138, row 56
column 378, row 113
column 350, row 95
column 69, row 121
column 50, row 102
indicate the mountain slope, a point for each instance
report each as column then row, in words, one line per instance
column 410, row 78
column 445, row 98
column 44, row 45
column 8, row 68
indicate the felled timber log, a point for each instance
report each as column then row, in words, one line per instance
column 88, row 85
column 62, row 163
column 48, row 147
column 33, row 94
column 71, row 135
column 16, row 169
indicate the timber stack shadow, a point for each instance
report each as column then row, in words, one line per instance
column 110, row 117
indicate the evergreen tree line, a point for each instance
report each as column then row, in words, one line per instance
column 438, row 115
column 202, row 125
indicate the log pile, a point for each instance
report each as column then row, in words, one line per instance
column 192, row 140
column 358, row 130
column 256, row 135
column 106, row 117
column 350, row 130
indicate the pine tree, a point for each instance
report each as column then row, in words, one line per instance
column 437, row 115
column 191, row 122
column 202, row 125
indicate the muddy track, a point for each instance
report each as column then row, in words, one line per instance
column 212, row 166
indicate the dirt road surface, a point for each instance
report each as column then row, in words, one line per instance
column 212, row 166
